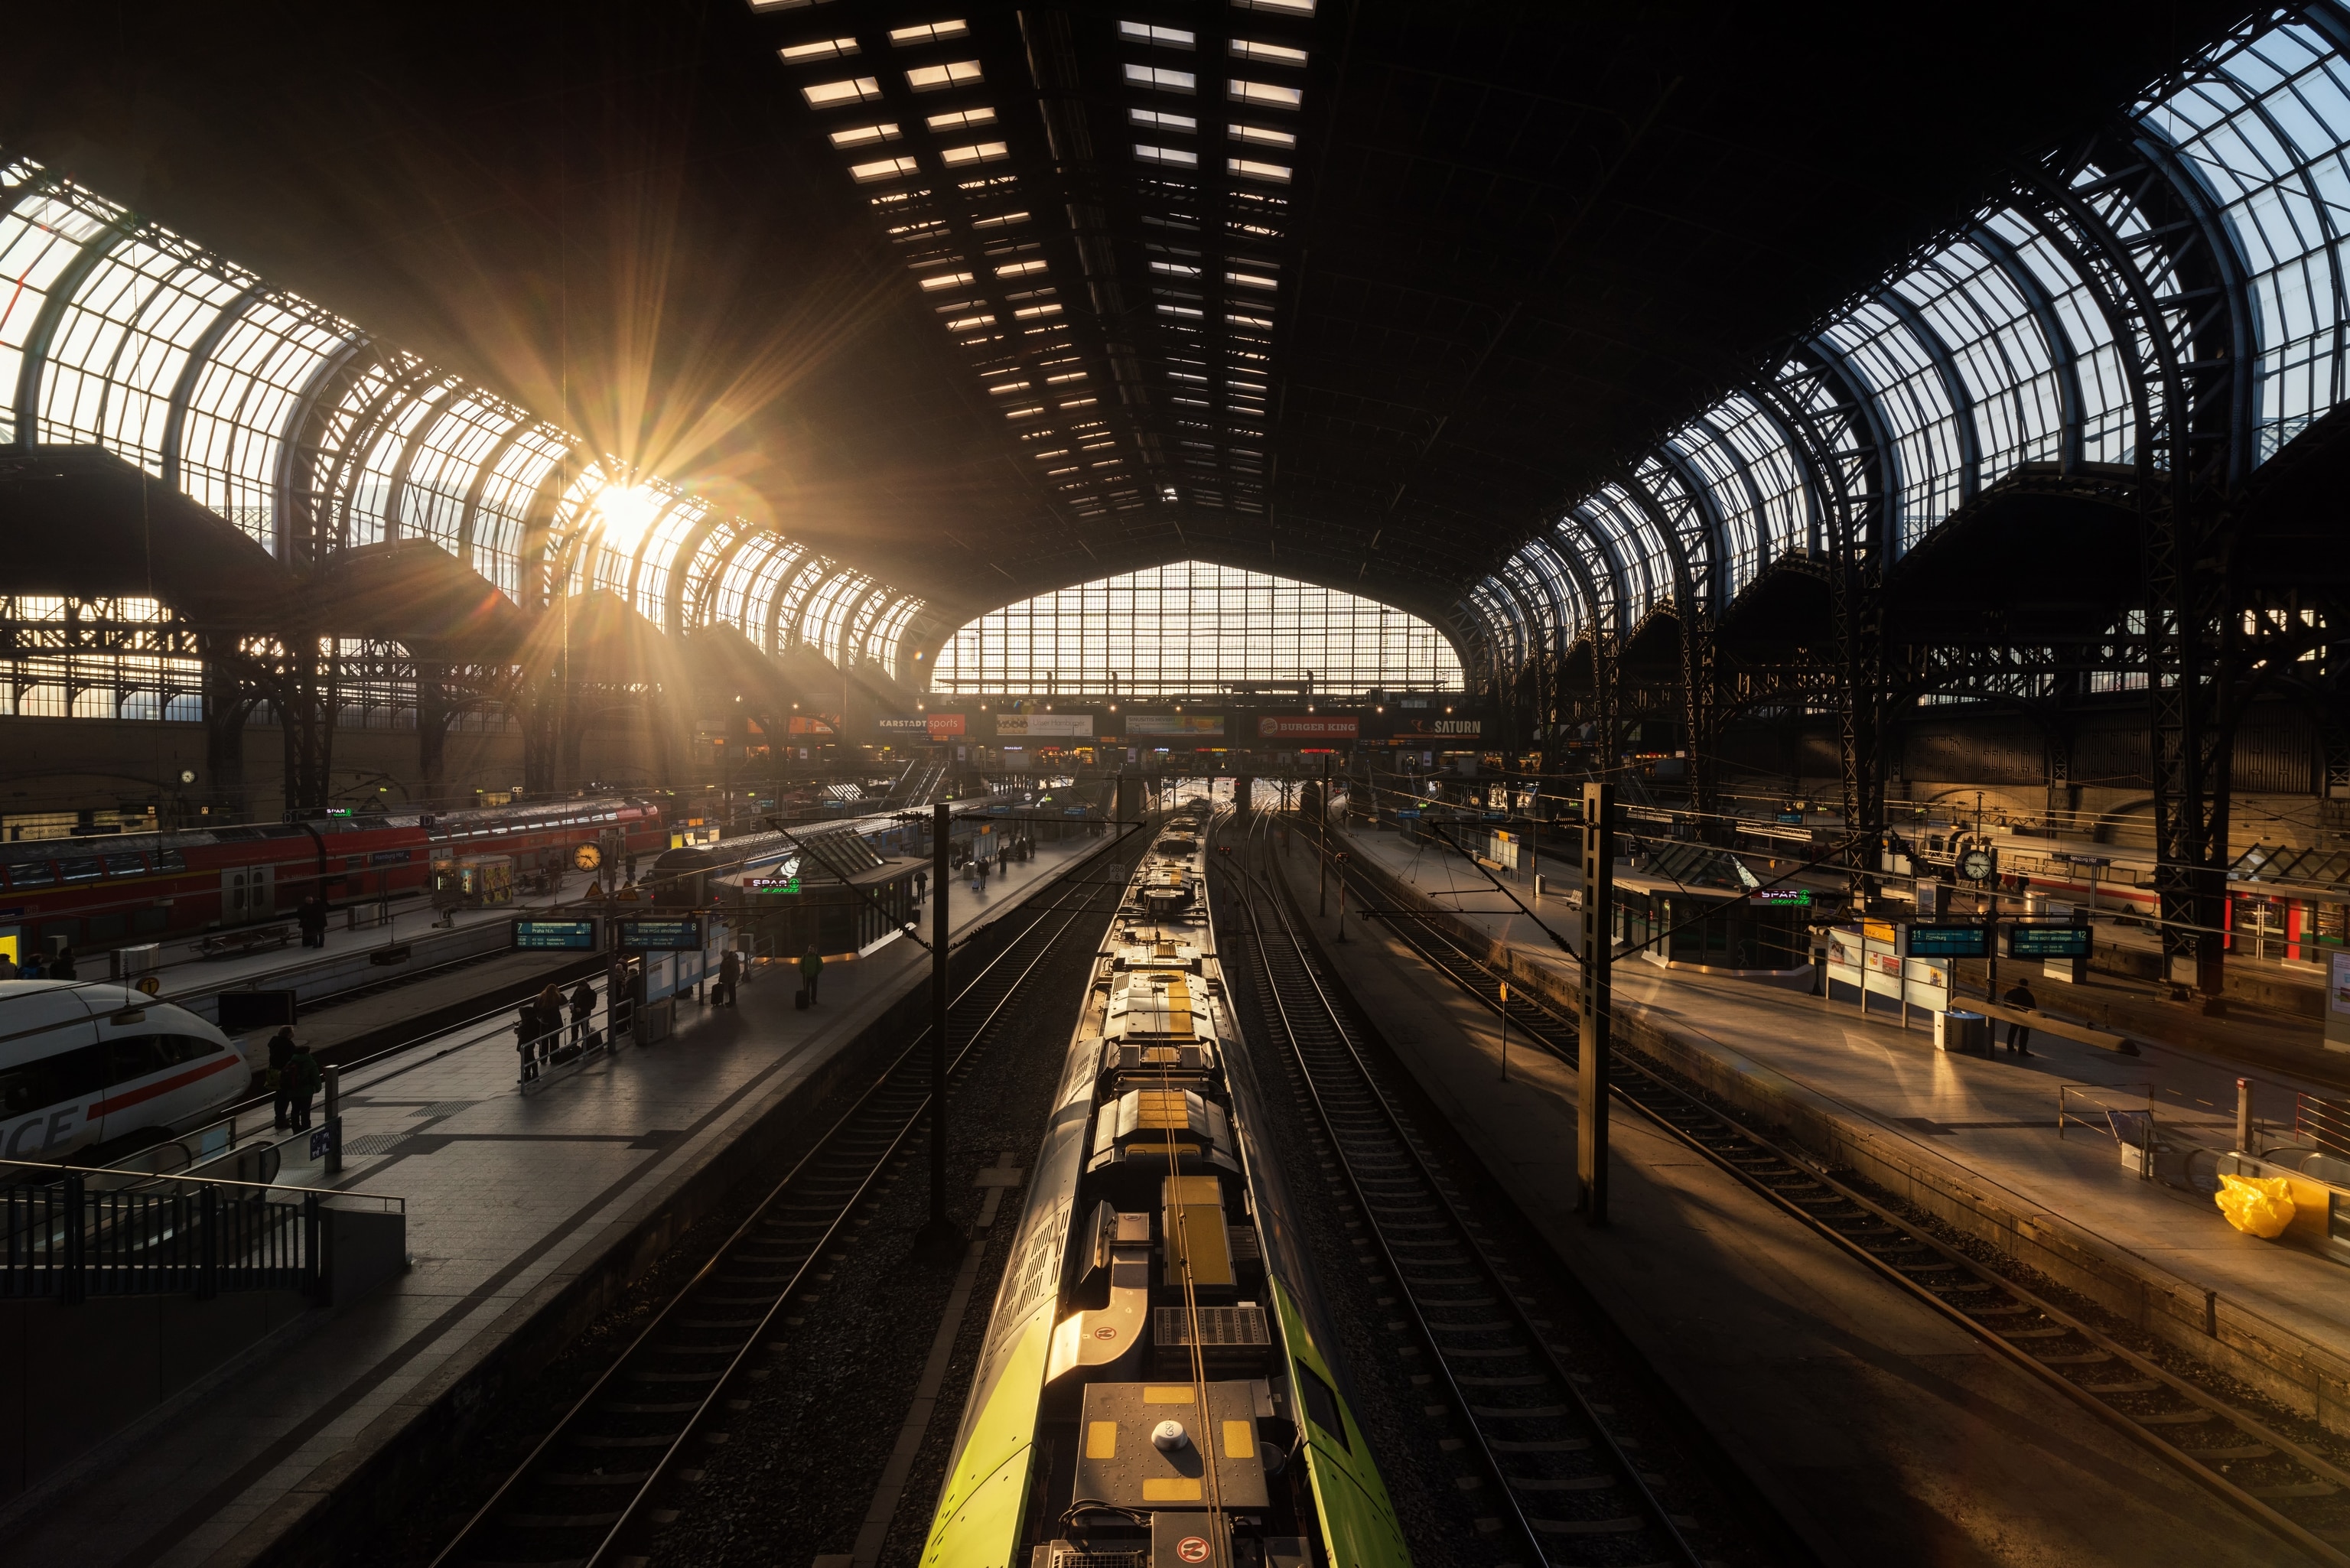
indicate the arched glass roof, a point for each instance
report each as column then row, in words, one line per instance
column 311, row 435
column 1990, row 351
column 1193, row 628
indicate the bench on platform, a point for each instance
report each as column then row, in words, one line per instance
column 252, row 939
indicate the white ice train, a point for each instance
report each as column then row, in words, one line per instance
column 89, row 1066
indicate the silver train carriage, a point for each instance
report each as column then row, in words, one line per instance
column 1155, row 1385
column 89, row 1065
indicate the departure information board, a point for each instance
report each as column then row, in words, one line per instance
column 2049, row 941
column 567, row 936
column 1951, row 941
column 663, row 934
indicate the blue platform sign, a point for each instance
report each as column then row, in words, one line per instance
column 663, row 934
column 2049, row 941
column 562, row 936
column 1408, row 815
column 1952, row 941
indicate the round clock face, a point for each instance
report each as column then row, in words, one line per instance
column 586, row 858
column 1976, row 865
column 187, row 775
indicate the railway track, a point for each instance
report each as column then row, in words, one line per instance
column 591, row 1488
column 2301, row 1495
column 1570, row 1485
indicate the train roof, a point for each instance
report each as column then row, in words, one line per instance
column 443, row 823
column 36, row 1006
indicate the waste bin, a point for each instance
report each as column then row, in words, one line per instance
column 1961, row 1031
column 128, row 964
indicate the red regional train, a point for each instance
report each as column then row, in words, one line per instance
column 144, row 887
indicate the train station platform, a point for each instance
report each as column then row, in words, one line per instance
column 1794, row 1351
column 528, row 1212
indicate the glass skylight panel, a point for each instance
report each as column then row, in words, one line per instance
column 865, row 136
column 947, row 280
column 1264, row 53
column 1000, row 221
column 980, row 152
column 1181, row 158
column 1251, row 280
column 2000, row 351
column 934, row 78
column 961, row 117
column 882, row 169
column 1278, row 7
column 1253, row 169
column 928, row 33
column 765, row 5
column 1263, row 95
column 1900, row 374
column 1020, row 269
column 120, row 346
column 832, row 95
column 1154, row 117
column 2265, row 125
column 821, row 50
column 1161, row 37
column 1263, row 135
column 1160, row 78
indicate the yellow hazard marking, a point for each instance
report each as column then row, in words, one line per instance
column 1157, row 1488
column 1240, row 1439
column 1101, row 1439
column 1159, row 1394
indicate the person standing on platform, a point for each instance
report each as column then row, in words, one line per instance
column 2018, row 1035
column 8, row 967
column 31, row 968
column 729, row 975
column 583, row 1010
column 313, row 919
column 811, row 970
column 62, row 966
column 526, row 1028
column 281, row 1076
column 307, row 1075
column 550, row 1019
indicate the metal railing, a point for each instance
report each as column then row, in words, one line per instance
column 2324, row 1122
column 74, row 1232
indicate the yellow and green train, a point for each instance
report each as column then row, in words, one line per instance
column 1157, row 1389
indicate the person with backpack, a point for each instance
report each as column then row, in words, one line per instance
column 811, row 967
column 729, row 975
column 303, row 1069
column 281, row 1079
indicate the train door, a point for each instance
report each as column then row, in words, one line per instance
column 248, row 893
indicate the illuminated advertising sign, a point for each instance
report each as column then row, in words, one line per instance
column 1033, row 725
column 661, row 933
column 1308, row 727
column 1175, row 725
column 900, row 723
column 805, row 726
column 566, row 936
column 945, row 726
column 1440, row 729
column 1782, row 898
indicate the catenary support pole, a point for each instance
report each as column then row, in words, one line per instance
column 334, row 1121
column 1599, row 939
column 942, row 873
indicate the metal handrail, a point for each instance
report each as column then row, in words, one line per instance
column 200, row 1182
